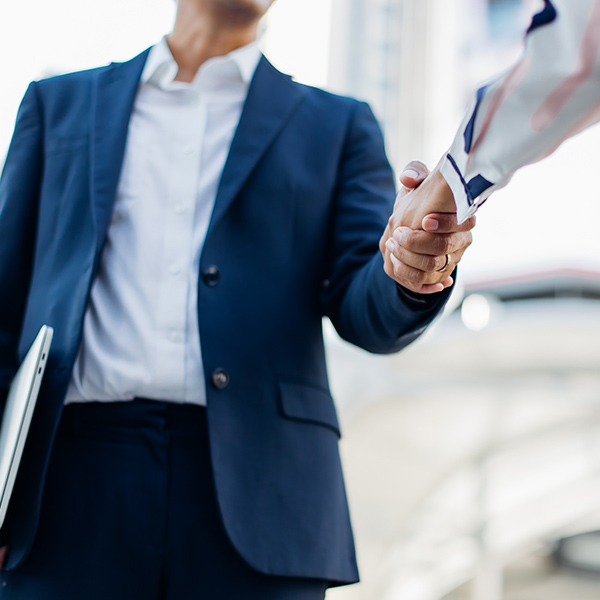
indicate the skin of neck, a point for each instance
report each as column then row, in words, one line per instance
column 205, row 29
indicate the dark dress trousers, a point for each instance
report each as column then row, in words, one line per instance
column 303, row 199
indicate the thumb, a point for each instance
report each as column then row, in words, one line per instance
column 413, row 174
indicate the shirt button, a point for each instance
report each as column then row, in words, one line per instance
column 211, row 275
column 220, row 379
column 174, row 270
column 179, row 209
column 174, row 336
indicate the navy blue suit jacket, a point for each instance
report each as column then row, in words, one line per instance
column 304, row 197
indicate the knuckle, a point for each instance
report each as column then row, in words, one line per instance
column 430, row 278
column 443, row 245
column 432, row 263
column 405, row 273
column 399, row 272
column 410, row 239
column 470, row 223
column 447, row 223
column 461, row 242
column 419, row 276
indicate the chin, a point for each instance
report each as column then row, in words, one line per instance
column 250, row 9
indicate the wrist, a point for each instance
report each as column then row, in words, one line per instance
column 441, row 191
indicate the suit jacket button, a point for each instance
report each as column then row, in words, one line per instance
column 211, row 275
column 220, row 379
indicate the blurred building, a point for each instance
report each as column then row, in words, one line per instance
column 373, row 42
column 416, row 62
column 472, row 454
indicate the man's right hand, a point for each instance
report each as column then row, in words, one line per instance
column 423, row 242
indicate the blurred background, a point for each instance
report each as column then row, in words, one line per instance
column 472, row 458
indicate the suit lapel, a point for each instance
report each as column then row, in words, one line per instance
column 272, row 98
column 115, row 92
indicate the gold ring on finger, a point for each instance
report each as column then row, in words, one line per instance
column 446, row 264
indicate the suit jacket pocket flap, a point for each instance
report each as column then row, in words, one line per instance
column 308, row 404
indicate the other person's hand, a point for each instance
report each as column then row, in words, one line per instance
column 423, row 243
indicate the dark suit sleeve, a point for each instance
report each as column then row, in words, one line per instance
column 19, row 191
column 366, row 307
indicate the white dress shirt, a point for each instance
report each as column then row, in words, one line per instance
column 551, row 94
column 140, row 332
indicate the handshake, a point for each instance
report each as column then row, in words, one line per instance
column 423, row 242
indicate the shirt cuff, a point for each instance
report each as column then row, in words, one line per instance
column 464, row 209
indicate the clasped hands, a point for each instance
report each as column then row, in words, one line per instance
column 423, row 243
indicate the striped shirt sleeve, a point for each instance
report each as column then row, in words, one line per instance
column 552, row 93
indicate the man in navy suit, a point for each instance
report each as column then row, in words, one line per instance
column 184, row 221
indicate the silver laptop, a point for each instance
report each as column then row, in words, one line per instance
column 18, row 412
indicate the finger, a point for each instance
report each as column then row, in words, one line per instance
column 402, row 271
column 448, row 282
column 414, row 173
column 3, row 551
column 394, row 270
column 387, row 234
column 427, row 289
column 422, row 262
column 434, row 244
column 422, row 289
column 414, row 286
column 446, row 223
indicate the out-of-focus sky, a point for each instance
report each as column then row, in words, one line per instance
column 547, row 218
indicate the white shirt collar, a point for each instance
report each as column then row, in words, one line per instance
column 161, row 68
